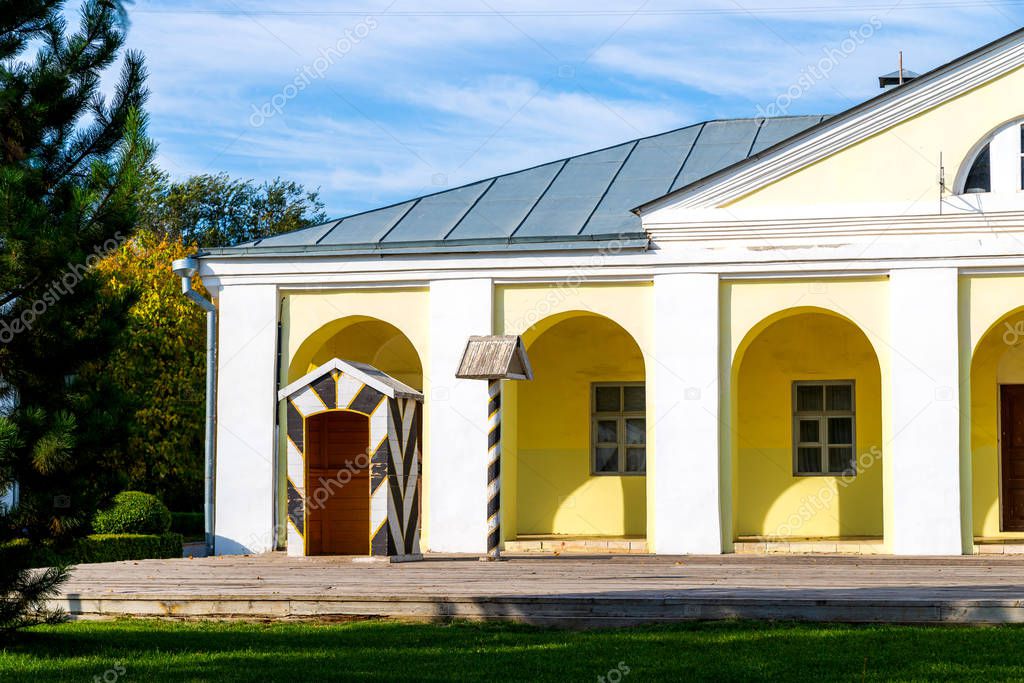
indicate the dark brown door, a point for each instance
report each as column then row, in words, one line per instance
column 338, row 484
column 1012, row 471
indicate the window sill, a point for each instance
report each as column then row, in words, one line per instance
column 835, row 475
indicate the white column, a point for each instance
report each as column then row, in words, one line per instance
column 924, row 451
column 457, row 467
column 686, row 480
column 246, row 359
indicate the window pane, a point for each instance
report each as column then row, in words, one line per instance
column 840, row 397
column 840, row 430
column 634, row 399
column 840, row 460
column 980, row 177
column 636, row 431
column 607, row 400
column 607, row 431
column 606, row 459
column 808, row 398
column 810, row 431
column 636, row 459
column 808, row 459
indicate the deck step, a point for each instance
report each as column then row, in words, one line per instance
column 810, row 547
column 998, row 548
column 591, row 546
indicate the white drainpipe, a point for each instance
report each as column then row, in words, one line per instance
column 185, row 269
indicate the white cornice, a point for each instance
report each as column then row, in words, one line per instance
column 958, row 224
column 848, row 129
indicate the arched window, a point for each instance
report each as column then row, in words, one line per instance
column 980, row 177
column 998, row 164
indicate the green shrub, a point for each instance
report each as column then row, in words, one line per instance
column 21, row 553
column 189, row 524
column 133, row 512
column 94, row 548
column 117, row 547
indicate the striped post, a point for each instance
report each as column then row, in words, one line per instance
column 493, row 468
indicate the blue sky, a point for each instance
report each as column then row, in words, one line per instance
column 375, row 102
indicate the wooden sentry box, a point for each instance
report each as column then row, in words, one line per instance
column 347, row 406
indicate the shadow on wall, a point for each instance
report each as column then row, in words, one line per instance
column 556, row 493
column 770, row 499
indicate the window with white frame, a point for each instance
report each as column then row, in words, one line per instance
column 824, row 428
column 618, row 428
column 997, row 165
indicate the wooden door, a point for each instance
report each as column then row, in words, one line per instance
column 1012, row 444
column 338, row 484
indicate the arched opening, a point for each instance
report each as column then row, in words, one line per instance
column 807, row 431
column 997, row 430
column 580, row 431
column 364, row 340
column 337, row 483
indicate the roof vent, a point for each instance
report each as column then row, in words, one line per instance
column 897, row 77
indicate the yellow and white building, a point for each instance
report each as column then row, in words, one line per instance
column 810, row 328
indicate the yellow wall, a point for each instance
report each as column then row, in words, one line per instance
column 901, row 164
column 311, row 319
column 770, row 500
column 991, row 303
column 547, row 487
column 748, row 309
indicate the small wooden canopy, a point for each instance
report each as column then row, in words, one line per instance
column 495, row 357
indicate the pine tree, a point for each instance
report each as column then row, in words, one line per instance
column 71, row 163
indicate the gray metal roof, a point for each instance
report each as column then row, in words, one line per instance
column 582, row 198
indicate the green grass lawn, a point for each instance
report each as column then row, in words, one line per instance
column 137, row 650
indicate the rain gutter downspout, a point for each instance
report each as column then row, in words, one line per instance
column 186, row 268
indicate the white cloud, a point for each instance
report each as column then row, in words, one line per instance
column 472, row 95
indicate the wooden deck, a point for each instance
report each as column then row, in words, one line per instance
column 573, row 591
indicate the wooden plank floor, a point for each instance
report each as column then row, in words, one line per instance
column 576, row 590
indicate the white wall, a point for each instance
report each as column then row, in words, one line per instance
column 246, row 358
column 457, row 411
column 925, row 448
column 685, row 481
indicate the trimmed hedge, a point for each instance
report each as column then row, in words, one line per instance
column 117, row 547
column 133, row 512
column 97, row 548
column 189, row 524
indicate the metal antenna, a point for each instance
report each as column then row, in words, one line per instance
column 942, row 181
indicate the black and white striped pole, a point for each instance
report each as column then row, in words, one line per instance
column 493, row 468
column 494, row 359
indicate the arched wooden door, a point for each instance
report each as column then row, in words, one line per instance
column 338, row 483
